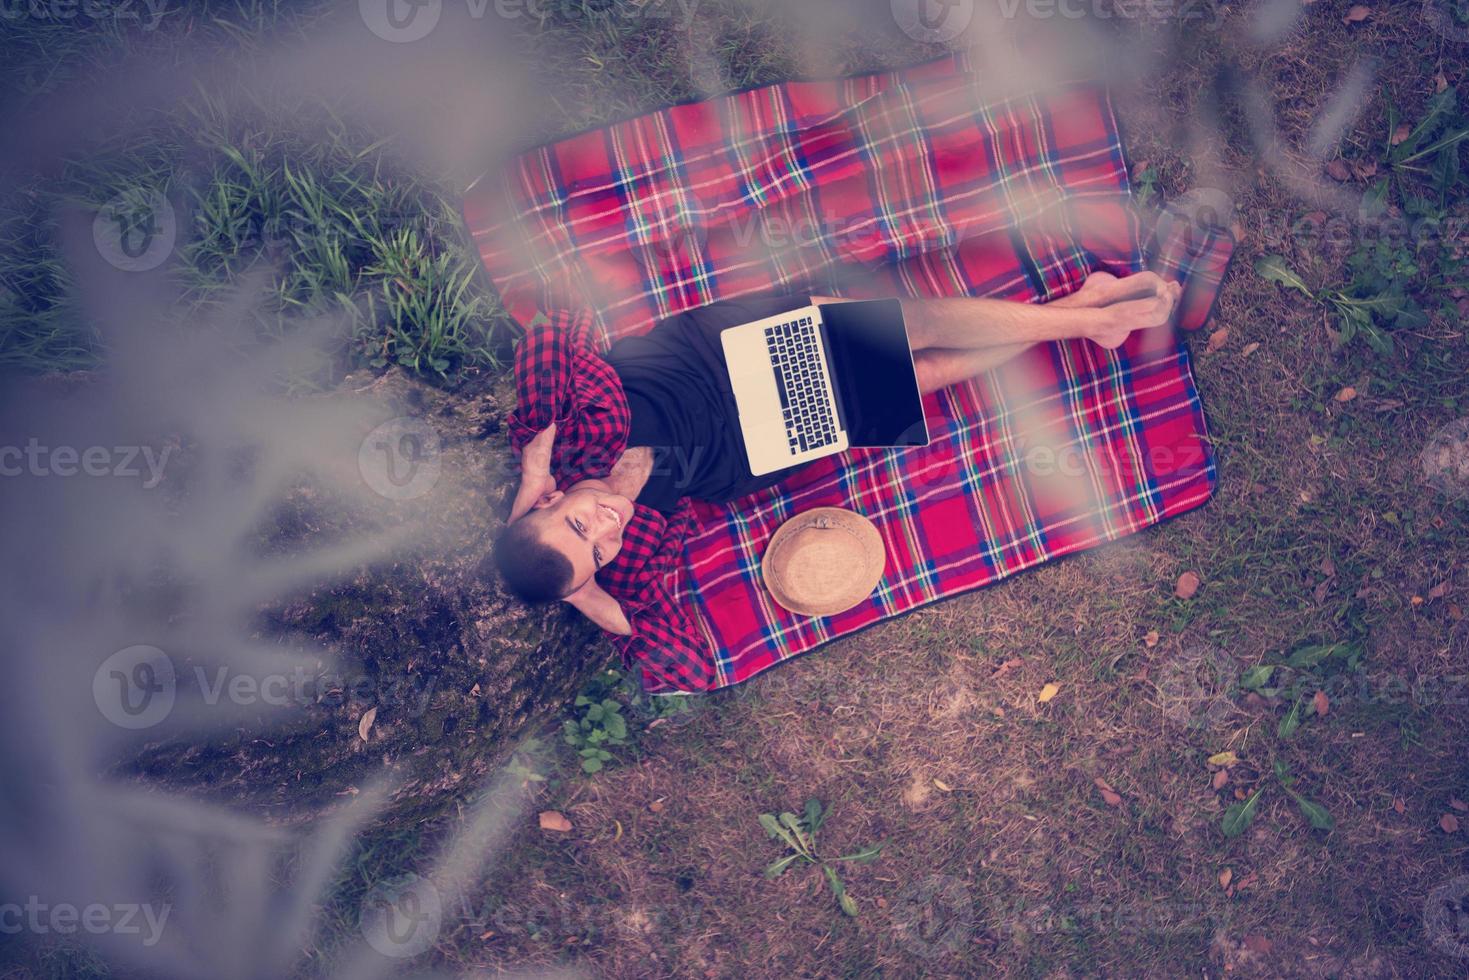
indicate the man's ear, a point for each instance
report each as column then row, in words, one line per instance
column 548, row 500
column 524, row 505
column 593, row 602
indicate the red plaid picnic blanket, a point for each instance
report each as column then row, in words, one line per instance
column 899, row 183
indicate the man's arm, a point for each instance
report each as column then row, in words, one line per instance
column 560, row 378
column 535, row 473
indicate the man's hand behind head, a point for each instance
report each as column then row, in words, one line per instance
column 536, row 480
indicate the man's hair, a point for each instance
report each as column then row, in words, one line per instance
column 533, row 571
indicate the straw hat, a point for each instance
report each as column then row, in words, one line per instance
column 824, row 562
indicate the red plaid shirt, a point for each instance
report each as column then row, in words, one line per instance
column 560, row 377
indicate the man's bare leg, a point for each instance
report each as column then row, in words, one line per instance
column 1106, row 310
column 939, row 368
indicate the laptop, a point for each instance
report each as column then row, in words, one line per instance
column 820, row 380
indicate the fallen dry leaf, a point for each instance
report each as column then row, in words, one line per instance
column 551, row 820
column 943, row 785
column 1328, row 567
column 1347, row 394
column 1459, row 805
column 1449, row 823
column 1221, row 778
column 1188, row 585
column 1357, row 14
column 1439, row 591
column 1364, row 169
column 1440, row 82
column 1321, row 703
column 1338, row 171
column 1223, row 759
column 1109, row 795
column 1400, row 134
column 1225, row 877
column 1006, row 667
column 1218, row 339
column 1150, row 639
column 1249, row 349
column 1398, row 804
column 1258, row 944
column 365, row 725
column 1048, row 692
column 656, row 806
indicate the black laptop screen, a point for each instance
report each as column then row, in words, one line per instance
column 872, row 367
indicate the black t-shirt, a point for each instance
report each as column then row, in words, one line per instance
column 683, row 408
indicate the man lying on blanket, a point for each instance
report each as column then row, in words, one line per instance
column 634, row 434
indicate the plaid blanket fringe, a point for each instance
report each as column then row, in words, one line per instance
column 900, row 183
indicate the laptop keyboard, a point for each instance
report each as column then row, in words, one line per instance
column 800, row 377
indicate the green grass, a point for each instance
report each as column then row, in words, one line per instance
column 340, row 228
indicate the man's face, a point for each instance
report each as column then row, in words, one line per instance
column 585, row 524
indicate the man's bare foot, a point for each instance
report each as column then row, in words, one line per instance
column 1140, row 302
